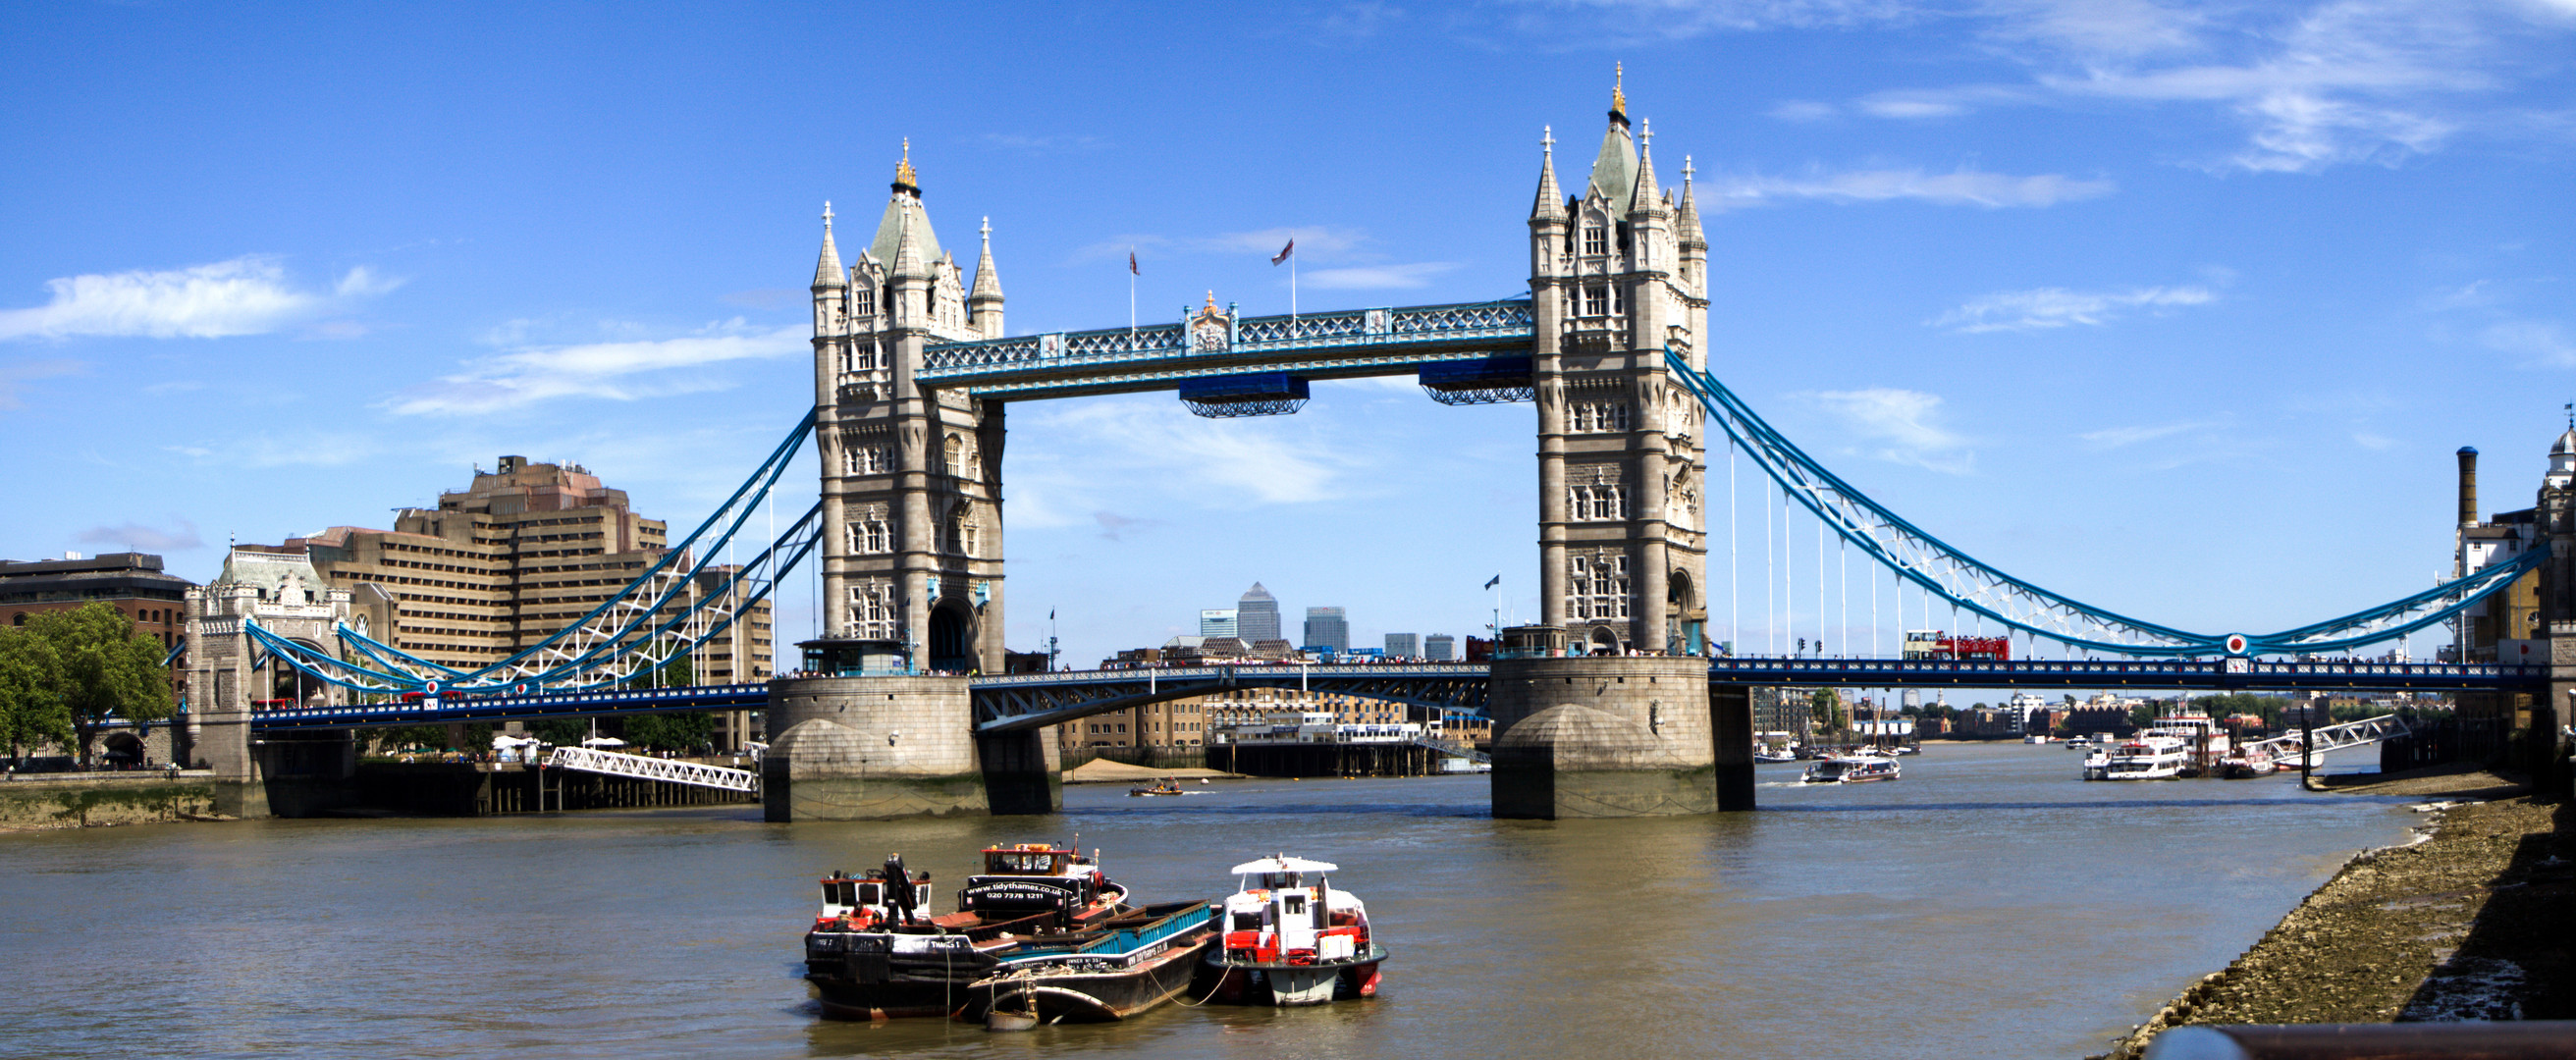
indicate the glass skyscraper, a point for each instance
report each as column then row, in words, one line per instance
column 1220, row 623
column 1403, row 645
column 1257, row 616
column 1326, row 627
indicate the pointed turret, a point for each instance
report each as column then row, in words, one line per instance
column 1647, row 196
column 1686, row 223
column 911, row 262
column 1551, row 202
column 903, row 209
column 1614, row 171
column 827, row 268
column 984, row 305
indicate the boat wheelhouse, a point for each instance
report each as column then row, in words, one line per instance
column 1292, row 938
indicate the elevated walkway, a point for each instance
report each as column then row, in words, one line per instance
column 642, row 767
column 2337, row 737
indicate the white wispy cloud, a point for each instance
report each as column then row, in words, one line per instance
column 1965, row 187
column 248, row 295
column 1900, row 426
column 2118, row 437
column 145, row 538
column 2543, row 341
column 2057, row 307
column 617, row 371
column 1376, row 277
column 17, row 372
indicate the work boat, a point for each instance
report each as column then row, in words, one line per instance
column 1852, row 769
column 1136, row 960
column 875, row 950
column 1289, row 941
column 2150, row 755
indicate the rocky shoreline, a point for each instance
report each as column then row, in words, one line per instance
column 2468, row 922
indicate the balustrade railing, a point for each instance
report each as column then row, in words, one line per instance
column 1348, row 328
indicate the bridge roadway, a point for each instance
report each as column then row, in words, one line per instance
column 1020, row 702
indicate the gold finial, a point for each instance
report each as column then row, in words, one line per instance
column 903, row 173
column 1211, row 303
column 1619, row 88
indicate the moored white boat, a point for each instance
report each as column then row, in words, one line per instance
column 1291, row 938
column 2148, row 756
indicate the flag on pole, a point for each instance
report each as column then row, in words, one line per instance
column 1498, row 580
column 1131, row 264
column 1291, row 248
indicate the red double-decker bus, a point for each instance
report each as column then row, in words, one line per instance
column 1933, row 644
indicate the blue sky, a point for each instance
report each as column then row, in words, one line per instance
column 2178, row 309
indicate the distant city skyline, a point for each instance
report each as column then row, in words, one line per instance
column 1983, row 261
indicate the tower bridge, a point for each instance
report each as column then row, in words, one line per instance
column 1606, row 705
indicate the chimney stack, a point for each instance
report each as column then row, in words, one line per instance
column 2468, row 486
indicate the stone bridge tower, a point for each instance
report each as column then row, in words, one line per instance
column 1618, row 274
column 912, row 518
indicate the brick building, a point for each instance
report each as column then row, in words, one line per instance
column 131, row 582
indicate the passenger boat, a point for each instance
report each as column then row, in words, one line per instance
column 2097, row 765
column 1135, row 961
column 1767, row 755
column 1291, row 942
column 2151, row 755
column 875, row 950
column 1852, row 769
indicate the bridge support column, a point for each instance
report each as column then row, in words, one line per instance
column 1730, row 720
column 1021, row 774
column 869, row 748
column 1602, row 737
column 306, row 774
column 222, row 741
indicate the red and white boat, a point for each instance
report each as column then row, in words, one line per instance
column 1292, row 939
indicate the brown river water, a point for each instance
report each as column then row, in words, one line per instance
column 1989, row 904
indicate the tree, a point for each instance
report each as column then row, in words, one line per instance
column 1827, row 709
column 32, row 712
column 561, row 732
column 673, row 674
column 686, row 730
column 107, row 669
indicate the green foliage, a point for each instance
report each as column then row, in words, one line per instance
column 103, row 668
column 2142, row 715
column 1827, row 709
column 2268, row 708
column 32, row 712
column 677, row 731
column 423, row 737
column 561, row 732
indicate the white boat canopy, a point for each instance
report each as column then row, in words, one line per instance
column 603, row 741
column 1283, row 863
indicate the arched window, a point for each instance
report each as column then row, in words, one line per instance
column 956, row 452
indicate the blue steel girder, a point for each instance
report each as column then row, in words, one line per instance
column 1348, row 344
column 474, row 708
column 2216, row 675
column 1019, row 702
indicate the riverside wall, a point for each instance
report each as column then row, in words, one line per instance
column 93, row 800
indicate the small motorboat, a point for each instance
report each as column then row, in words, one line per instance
column 1165, row 786
column 2246, row 763
column 1852, row 769
column 1767, row 755
column 1292, row 938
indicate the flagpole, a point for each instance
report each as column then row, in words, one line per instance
column 1131, row 297
column 1292, row 290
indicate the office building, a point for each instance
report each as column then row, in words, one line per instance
column 1257, row 615
column 1215, row 623
column 1403, row 645
column 1327, row 627
column 1440, row 647
column 131, row 582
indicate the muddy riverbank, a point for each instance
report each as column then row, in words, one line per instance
column 2468, row 922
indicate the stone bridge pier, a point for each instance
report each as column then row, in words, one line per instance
column 1606, row 736
column 864, row 748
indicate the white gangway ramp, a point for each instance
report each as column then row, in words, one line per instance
column 2338, row 737
column 643, row 767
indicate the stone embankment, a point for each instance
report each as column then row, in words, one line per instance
column 2468, row 922
column 91, row 800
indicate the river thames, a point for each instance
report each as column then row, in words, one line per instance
column 1988, row 904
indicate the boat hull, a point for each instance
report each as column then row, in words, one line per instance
column 1077, row 995
column 1283, row 984
column 869, row 982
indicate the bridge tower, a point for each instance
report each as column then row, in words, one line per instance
column 912, row 541
column 1618, row 275
column 227, row 671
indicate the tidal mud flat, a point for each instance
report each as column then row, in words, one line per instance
column 2470, row 922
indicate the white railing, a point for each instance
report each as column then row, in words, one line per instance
column 642, row 767
column 2338, row 737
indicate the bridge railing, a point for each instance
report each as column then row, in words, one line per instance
column 475, row 707
column 645, row 767
column 1348, row 328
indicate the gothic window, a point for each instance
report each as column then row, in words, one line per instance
column 956, row 456
column 1618, row 300
column 1593, row 241
column 867, row 299
column 1597, row 587
column 1600, row 416
column 865, row 460
column 872, row 610
column 1604, row 502
column 870, row 535
column 1596, row 301
column 1583, row 416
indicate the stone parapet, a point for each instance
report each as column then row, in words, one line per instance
column 1602, row 737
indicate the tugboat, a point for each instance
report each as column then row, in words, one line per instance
column 1132, row 962
column 875, row 951
column 1289, row 942
column 1852, row 769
